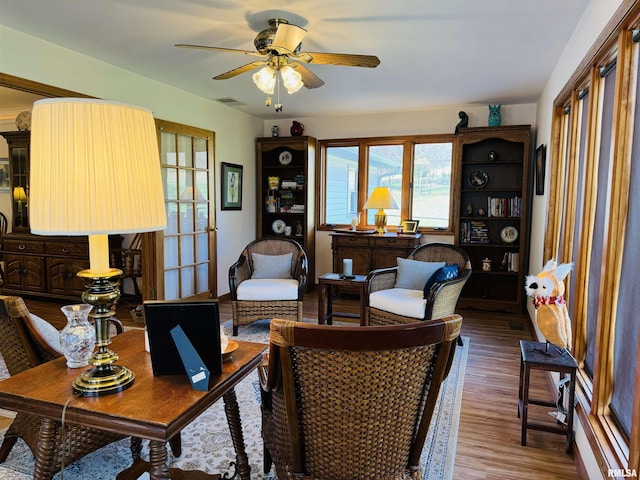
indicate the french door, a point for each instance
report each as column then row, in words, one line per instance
column 184, row 260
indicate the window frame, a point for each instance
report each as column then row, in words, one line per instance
column 606, row 438
column 408, row 142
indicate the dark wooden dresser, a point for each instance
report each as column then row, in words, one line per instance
column 371, row 251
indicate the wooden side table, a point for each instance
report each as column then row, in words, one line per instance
column 534, row 356
column 326, row 283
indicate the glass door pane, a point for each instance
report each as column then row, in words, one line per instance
column 188, row 267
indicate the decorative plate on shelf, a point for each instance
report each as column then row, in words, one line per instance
column 509, row 234
column 478, row 179
column 285, row 158
column 278, row 226
column 23, row 120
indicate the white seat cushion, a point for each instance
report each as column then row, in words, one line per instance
column 401, row 301
column 268, row 289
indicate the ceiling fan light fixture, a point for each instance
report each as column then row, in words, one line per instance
column 292, row 80
column 265, row 79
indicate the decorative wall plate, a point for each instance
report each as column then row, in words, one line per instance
column 285, row 158
column 23, row 120
column 509, row 234
column 278, row 226
column 478, row 179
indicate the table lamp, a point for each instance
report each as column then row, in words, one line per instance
column 380, row 198
column 95, row 170
column 20, row 196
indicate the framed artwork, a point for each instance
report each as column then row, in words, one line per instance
column 410, row 226
column 541, row 154
column 4, row 175
column 231, row 186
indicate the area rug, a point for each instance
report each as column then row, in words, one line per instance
column 207, row 446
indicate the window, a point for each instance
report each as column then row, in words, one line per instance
column 417, row 171
column 595, row 206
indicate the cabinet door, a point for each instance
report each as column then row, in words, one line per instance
column 361, row 258
column 23, row 272
column 62, row 276
column 388, row 257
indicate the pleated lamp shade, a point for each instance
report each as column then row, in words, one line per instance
column 95, row 170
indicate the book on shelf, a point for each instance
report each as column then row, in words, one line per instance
column 510, row 262
column 504, row 207
column 475, row 231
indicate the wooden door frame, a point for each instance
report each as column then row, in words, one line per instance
column 153, row 272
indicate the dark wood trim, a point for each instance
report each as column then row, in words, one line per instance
column 37, row 88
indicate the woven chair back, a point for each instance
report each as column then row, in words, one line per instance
column 354, row 402
column 277, row 246
column 442, row 252
column 17, row 346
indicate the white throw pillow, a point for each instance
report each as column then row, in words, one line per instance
column 413, row 274
column 271, row 266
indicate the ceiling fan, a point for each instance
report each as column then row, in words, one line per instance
column 278, row 47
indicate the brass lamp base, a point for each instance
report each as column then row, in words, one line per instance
column 380, row 219
column 104, row 378
column 94, row 382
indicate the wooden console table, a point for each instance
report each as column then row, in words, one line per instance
column 371, row 251
column 44, row 390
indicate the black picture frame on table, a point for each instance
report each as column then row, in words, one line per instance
column 231, row 182
column 541, row 156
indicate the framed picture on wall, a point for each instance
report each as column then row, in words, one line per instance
column 231, row 180
column 541, row 154
column 4, row 175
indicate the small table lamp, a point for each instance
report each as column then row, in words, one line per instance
column 20, row 196
column 95, row 170
column 380, row 198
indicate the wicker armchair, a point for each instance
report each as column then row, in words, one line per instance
column 25, row 342
column 352, row 402
column 256, row 295
column 441, row 298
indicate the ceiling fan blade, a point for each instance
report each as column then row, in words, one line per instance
column 253, row 53
column 239, row 70
column 310, row 79
column 287, row 38
column 344, row 59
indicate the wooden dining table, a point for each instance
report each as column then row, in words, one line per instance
column 154, row 407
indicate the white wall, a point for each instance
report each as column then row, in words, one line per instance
column 595, row 18
column 434, row 121
column 235, row 131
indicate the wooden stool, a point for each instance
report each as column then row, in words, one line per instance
column 534, row 356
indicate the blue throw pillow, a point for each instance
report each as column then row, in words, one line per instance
column 441, row 275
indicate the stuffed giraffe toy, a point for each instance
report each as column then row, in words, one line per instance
column 547, row 290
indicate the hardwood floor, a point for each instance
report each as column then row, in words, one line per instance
column 489, row 433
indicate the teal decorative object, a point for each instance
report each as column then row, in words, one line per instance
column 495, row 119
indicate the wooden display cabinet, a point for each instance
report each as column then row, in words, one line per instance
column 34, row 264
column 493, row 214
column 286, row 191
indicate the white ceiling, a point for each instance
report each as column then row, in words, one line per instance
column 433, row 52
